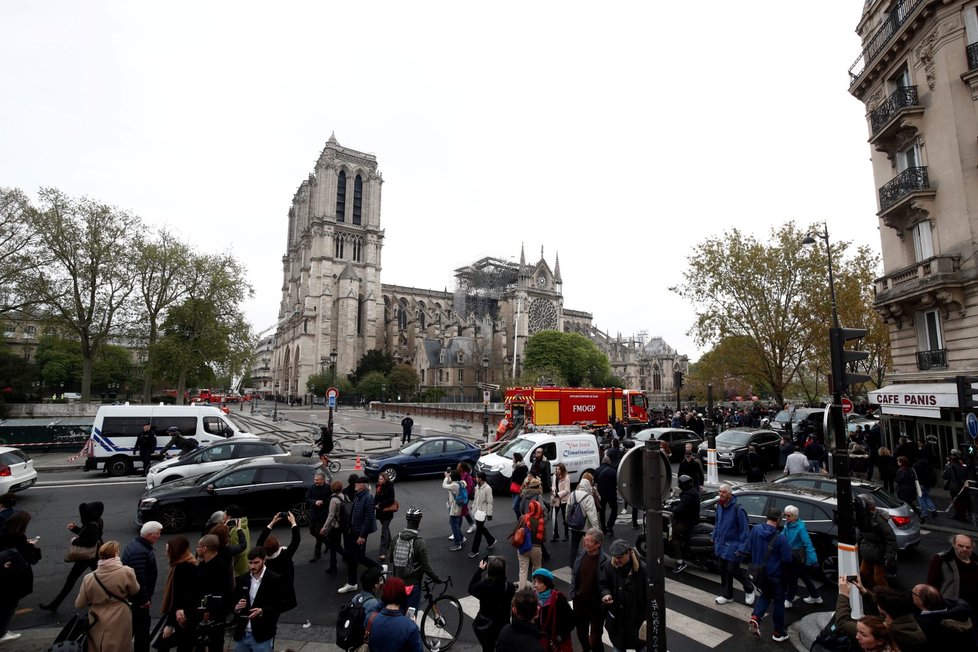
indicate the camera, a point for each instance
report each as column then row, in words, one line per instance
column 284, row 515
column 448, row 470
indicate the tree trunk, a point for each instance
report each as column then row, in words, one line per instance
column 181, row 386
column 86, row 387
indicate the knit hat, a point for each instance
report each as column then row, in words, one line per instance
column 545, row 576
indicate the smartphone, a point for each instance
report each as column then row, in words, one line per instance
column 448, row 470
column 284, row 515
column 851, row 579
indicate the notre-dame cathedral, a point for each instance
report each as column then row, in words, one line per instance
column 333, row 301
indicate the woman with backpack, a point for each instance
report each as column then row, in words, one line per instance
column 516, row 483
column 457, row 497
column 559, row 501
column 333, row 528
column 530, row 552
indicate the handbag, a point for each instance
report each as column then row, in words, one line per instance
column 480, row 515
column 80, row 553
column 798, row 555
column 514, row 488
column 365, row 646
column 393, row 507
column 916, row 484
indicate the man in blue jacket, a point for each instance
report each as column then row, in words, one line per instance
column 139, row 556
column 768, row 548
column 729, row 535
column 363, row 521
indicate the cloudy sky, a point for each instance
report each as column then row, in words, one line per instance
column 615, row 134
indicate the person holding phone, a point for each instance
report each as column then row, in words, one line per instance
column 495, row 594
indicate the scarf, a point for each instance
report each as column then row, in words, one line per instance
column 543, row 596
column 168, row 590
column 112, row 562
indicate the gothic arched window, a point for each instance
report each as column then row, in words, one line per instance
column 341, row 197
column 401, row 319
column 357, row 198
column 656, row 379
column 339, row 247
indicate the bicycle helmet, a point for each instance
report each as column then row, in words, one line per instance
column 685, row 482
column 413, row 517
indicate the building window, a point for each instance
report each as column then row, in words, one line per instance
column 971, row 23
column 421, row 319
column 360, row 305
column 441, row 359
column 461, row 376
column 341, row 197
column 338, row 253
column 401, row 319
column 357, row 198
column 656, row 379
column 901, row 79
column 923, row 243
column 30, row 331
column 357, row 246
column 929, row 336
column 908, row 158
column 460, row 357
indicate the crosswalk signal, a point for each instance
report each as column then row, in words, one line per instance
column 967, row 393
column 841, row 358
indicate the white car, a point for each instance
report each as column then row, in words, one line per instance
column 16, row 470
column 211, row 457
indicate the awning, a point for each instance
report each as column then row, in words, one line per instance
column 916, row 400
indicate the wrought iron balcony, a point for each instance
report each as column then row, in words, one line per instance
column 908, row 181
column 882, row 37
column 931, row 359
column 972, row 51
column 902, row 98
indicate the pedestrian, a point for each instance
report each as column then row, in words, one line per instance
column 184, row 444
column 240, row 537
column 556, row 618
column 691, row 466
column 454, row 485
column 482, row 504
column 955, row 480
column 363, row 522
column 729, row 535
column 260, row 597
column 906, row 448
column 407, row 423
column 614, row 452
column 872, row 635
column 139, row 556
column 685, row 516
column 606, row 478
column 785, row 448
column 581, row 503
column 906, row 482
column 351, row 486
column 624, row 594
column 769, row 552
column 522, row 634
column 88, row 536
column 335, row 531
column 895, row 611
column 755, row 465
column 516, row 479
column 466, row 476
column 214, row 587
column 954, row 572
column 281, row 559
column 924, row 470
column 368, row 597
column 179, row 605
column 858, row 462
column 317, row 500
column 796, row 462
column 146, row 446
column 585, row 591
column 559, row 500
column 495, row 595
column 544, row 471
column 18, row 553
column 388, row 630
column 532, row 490
column 803, row 559
column 815, row 452
column 875, row 543
column 536, row 529
column 409, row 559
column 886, row 464
column 945, row 623
column 325, row 443
column 106, row 593
column 7, row 509
column 386, row 506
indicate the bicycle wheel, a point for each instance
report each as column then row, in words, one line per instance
column 334, row 466
column 441, row 623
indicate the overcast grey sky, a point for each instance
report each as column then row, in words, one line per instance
column 617, row 134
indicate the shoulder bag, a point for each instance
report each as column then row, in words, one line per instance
column 80, row 553
column 758, row 572
column 365, row 647
column 110, row 593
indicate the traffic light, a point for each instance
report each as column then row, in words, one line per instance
column 841, row 358
column 966, row 393
column 677, row 379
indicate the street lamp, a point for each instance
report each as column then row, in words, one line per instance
column 383, row 401
column 332, row 378
column 275, row 398
column 485, row 401
column 848, row 560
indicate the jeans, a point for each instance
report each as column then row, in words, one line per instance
column 589, row 622
column 728, row 571
column 575, row 541
column 78, row 569
column 611, row 503
column 7, row 608
column 141, row 621
column 482, row 531
column 356, row 554
column 772, row 593
column 816, row 466
column 456, row 523
column 249, row 644
column 517, row 506
column 562, row 518
column 927, row 505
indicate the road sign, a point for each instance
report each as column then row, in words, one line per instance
column 632, row 475
column 846, row 406
column 971, row 423
column 485, row 397
column 489, row 386
column 331, row 395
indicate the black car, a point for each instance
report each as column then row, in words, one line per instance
column 808, row 419
column 676, row 438
column 428, row 456
column 732, row 448
column 262, row 486
column 816, row 508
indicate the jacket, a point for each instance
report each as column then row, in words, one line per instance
column 19, row 580
column 281, row 563
column 693, row 469
column 420, row 564
column 906, row 489
column 905, row 632
column 756, row 546
column 454, row 509
column 270, row 598
column 576, row 570
column 796, row 463
column 628, row 588
column 877, row 544
column 943, row 575
column 687, row 511
column 383, row 500
column 333, row 512
column 556, row 618
column 483, row 499
column 731, row 530
column 318, row 514
column 519, row 473
column 89, row 531
column 112, row 629
column 391, row 631
column 519, row 635
column 925, row 473
column 562, row 493
column 798, row 539
column 362, row 518
column 950, row 628
column 544, row 472
column 494, row 598
column 139, row 556
column 955, row 475
column 534, row 520
column 606, row 477
column 532, row 488
column 583, row 496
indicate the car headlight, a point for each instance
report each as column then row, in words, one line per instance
column 493, row 468
column 724, row 454
column 146, row 503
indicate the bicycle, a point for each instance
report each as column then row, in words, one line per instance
column 442, row 617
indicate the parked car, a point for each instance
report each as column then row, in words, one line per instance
column 428, row 456
column 809, row 418
column 16, row 470
column 901, row 519
column 732, row 448
column 209, row 458
column 675, row 438
column 262, row 486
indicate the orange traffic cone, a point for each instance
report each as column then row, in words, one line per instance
column 357, row 466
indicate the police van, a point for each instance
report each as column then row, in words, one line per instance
column 577, row 449
column 110, row 446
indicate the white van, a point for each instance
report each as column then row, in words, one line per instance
column 577, row 449
column 116, row 427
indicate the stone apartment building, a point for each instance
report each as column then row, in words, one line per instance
column 917, row 75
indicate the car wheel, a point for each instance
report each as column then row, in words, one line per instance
column 830, row 569
column 640, row 545
column 742, row 466
column 301, row 513
column 390, row 472
column 173, row 519
column 118, row 466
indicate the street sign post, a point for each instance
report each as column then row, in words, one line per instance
column 632, row 475
column 331, row 395
column 971, row 423
column 846, row 406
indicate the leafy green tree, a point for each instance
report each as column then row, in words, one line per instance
column 113, row 365
column 432, row 395
column 59, row 361
column 375, row 360
column 574, row 357
column 403, row 382
column 17, row 377
column 18, row 251
column 371, row 386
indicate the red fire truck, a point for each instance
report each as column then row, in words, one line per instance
column 567, row 406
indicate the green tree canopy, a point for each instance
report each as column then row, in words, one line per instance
column 371, row 386
column 375, row 360
column 403, row 382
column 571, row 355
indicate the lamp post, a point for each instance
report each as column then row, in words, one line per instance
column 383, row 401
column 275, row 399
column 485, row 401
column 848, row 559
column 332, row 378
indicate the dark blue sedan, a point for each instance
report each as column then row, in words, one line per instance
column 428, row 456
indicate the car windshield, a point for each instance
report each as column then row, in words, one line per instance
column 410, row 448
column 518, row 445
column 204, row 479
column 734, row 437
column 783, row 417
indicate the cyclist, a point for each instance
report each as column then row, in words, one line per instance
column 408, row 557
column 325, row 443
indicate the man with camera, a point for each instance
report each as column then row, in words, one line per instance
column 215, row 585
column 260, row 599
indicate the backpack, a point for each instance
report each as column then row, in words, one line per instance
column 403, row 556
column 344, row 513
column 349, row 622
column 575, row 515
column 462, row 497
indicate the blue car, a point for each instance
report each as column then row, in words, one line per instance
column 428, row 456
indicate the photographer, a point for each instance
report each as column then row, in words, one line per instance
column 215, row 585
column 260, row 598
column 280, row 559
column 495, row 594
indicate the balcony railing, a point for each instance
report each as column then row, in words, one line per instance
column 896, row 18
column 908, row 181
column 931, row 359
column 901, row 98
column 972, row 51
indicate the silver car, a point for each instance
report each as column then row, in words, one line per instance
column 899, row 515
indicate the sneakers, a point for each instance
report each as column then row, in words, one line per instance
column 383, row 568
column 723, row 600
column 754, row 626
column 473, row 555
column 451, row 537
column 788, row 604
column 749, row 598
column 814, row 599
column 346, row 588
column 779, row 637
column 471, row 529
column 455, row 548
column 680, row 567
column 491, row 546
column 9, row 636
